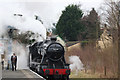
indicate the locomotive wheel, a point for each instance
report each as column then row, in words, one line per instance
column 62, row 78
column 50, row 78
column 65, row 78
column 31, row 68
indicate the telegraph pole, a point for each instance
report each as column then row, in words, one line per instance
column 119, row 41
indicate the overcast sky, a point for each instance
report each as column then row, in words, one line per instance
column 49, row 10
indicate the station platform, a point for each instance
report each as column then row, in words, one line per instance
column 24, row 74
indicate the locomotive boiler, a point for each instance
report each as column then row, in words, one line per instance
column 47, row 59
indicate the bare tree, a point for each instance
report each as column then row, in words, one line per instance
column 112, row 21
column 119, row 40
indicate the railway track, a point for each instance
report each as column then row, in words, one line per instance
column 37, row 74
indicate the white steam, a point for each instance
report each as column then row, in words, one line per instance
column 24, row 23
column 22, row 54
column 76, row 63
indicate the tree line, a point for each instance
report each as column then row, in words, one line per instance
column 73, row 25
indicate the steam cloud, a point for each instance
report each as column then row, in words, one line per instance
column 22, row 53
column 24, row 23
column 76, row 63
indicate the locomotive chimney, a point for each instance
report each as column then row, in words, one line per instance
column 53, row 39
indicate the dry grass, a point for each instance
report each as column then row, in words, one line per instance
column 96, row 61
column 89, row 74
column 82, row 74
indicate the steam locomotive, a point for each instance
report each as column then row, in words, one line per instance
column 47, row 59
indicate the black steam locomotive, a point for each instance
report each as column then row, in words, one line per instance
column 47, row 59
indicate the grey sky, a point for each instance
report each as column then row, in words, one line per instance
column 50, row 10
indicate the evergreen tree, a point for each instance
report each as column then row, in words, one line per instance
column 92, row 25
column 69, row 25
